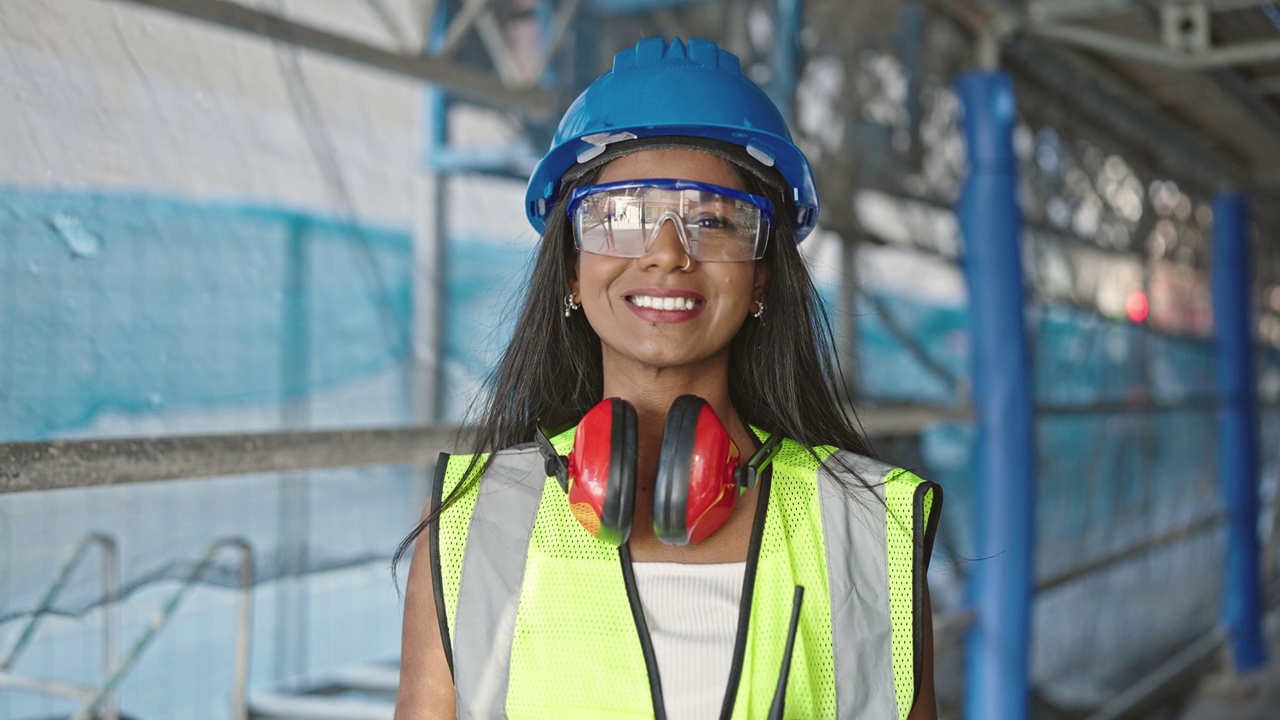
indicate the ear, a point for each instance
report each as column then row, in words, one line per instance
column 760, row 283
column 571, row 271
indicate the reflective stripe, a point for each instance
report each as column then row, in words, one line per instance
column 857, row 568
column 492, row 574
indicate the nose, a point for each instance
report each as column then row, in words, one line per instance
column 667, row 249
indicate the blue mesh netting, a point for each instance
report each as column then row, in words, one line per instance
column 135, row 305
column 128, row 314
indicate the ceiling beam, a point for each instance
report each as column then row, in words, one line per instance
column 465, row 82
column 460, row 24
column 1060, row 10
column 1223, row 56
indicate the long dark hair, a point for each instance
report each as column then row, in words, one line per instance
column 784, row 373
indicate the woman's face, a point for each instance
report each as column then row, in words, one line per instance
column 623, row 297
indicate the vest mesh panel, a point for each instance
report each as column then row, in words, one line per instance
column 899, row 494
column 453, row 532
column 599, row 680
column 793, row 505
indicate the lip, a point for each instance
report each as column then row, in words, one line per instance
column 654, row 315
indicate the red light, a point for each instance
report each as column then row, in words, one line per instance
column 1136, row 306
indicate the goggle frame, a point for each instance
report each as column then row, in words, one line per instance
column 761, row 203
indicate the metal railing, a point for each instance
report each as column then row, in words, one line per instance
column 66, row 464
column 99, row 701
column 110, row 593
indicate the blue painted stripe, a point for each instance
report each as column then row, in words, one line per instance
column 136, row 303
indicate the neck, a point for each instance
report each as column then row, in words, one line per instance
column 653, row 390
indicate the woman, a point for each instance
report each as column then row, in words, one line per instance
column 670, row 333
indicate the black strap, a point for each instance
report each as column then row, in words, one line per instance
column 437, row 582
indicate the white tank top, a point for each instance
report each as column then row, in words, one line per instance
column 692, row 614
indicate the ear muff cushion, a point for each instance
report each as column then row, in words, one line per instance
column 671, row 486
column 602, row 470
column 620, row 494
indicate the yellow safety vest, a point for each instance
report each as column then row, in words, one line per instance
column 540, row 619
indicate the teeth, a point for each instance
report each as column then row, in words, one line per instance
column 663, row 303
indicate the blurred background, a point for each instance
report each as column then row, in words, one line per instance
column 258, row 256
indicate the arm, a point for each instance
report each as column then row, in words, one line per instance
column 426, row 685
column 926, row 707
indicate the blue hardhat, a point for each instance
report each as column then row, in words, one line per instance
column 666, row 90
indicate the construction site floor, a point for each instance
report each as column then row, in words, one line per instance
column 1252, row 697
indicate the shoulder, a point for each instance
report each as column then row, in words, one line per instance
column 833, row 463
column 460, row 474
column 848, row 475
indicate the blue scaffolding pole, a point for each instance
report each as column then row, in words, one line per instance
column 1233, row 323
column 786, row 50
column 1000, row 588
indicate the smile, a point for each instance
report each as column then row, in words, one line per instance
column 662, row 303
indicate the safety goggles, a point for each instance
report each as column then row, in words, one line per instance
column 715, row 224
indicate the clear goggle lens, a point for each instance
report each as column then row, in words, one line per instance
column 715, row 224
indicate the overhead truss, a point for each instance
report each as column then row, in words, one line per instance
column 1185, row 38
column 510, row 86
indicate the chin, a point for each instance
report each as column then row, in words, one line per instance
column 674, row 360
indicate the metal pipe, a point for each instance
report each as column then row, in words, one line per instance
column 110, row 616
column 464, row 81
column 244, row 635
column 425, row 15
column 1273, row 540
column 1245, row 53
column 63, row 464
column 988, row 51
column 66, row 464
column 55, row 588
column 460, row 24
column 495, row 44
column 45, row 687
column 1118, row 407
column 110, row 592
column 1077, row 9
column 1133, row 551
column 997, row 652
column 161, row 619
column 1173, row 672
column 786, row 48
column 1093, row 9
column 559, row 29
column 1233, row 329
column 394, row 29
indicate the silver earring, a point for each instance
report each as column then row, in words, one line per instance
column 570, row 304
column 759, row 313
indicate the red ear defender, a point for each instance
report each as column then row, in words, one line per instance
column 695, row 489
column 700, row 471
column 602, row 470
